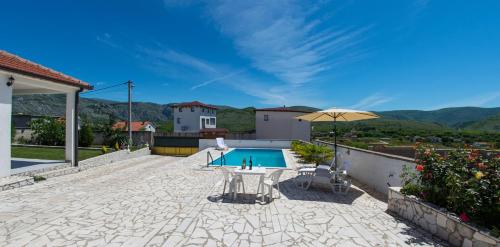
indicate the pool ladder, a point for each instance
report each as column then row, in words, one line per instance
column 209, row 157
column 222, row 159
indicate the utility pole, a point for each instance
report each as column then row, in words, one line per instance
column 129, row 83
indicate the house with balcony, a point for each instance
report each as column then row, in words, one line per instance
column 280, row 123
column 193, row 117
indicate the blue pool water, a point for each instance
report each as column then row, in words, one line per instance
column 264, row 157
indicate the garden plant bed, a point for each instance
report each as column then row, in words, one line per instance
column 438, row 221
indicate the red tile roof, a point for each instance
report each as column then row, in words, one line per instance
column 136, row 126
column 12, row 63
column 282, row 109
column 194, row 103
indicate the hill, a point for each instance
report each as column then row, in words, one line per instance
column 242, row 120
column 488, row 124
column 457, row 117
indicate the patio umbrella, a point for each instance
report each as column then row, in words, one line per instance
column 337, row 115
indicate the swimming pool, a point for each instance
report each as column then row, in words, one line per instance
column 264, row 157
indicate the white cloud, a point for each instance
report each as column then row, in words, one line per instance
column 162, row 56
column 282, row 39
column 371, row 101
column 207, row 82
column 477, row 101
column 106, row 39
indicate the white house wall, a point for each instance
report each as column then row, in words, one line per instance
column 281, row 125
column 5, row 126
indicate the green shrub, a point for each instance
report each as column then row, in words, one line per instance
column 466, row 183
column 86, row 136
column 295, row 145
column 104, row 150
column 311, row 153
column 12, row 132
column 39, row 178
column 48, row 131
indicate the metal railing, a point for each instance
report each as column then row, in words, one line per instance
column 209, row 157
column 222, row 159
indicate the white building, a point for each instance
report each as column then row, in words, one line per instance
column 20, row 76
column 280, row 124
column 191, row 117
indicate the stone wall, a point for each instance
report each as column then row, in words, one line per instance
column 12, row 182
column 438, row 221
column 112, row 157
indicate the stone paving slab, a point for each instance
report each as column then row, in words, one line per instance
column 171, row 201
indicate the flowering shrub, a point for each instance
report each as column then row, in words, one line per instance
column 466, row 183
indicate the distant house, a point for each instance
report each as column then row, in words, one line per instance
column 280, row 123
column 191, row 117
column 136, row 126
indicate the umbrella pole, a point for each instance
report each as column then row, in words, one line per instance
column 335, row 142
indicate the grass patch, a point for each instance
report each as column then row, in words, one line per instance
column 39, row 178
column 50, row 153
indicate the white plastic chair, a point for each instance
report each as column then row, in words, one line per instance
column 234, row 181
column 304, row 178
column 270, row 181
column 220, row 143
column 342, row 185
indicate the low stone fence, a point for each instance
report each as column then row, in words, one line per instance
column 112, row 157
column 206, row 143
column 438, row 221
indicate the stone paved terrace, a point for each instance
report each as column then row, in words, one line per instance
column 170, row 201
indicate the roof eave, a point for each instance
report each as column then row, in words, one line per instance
column 48, row 78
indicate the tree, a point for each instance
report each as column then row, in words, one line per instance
column 48, row 131
column 113, row 136
column 166, row 127
column 86, row 135
column 12, row 132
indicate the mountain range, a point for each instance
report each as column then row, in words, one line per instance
column 243, row 119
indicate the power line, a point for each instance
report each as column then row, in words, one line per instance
column 104, row 88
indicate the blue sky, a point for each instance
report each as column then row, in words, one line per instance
column 372, row 55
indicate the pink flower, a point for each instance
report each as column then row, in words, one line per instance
column 464, row 217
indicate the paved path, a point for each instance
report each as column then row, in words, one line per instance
column 167, row 201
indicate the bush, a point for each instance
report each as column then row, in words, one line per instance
column 48, row 131
column 104, row 150
column 86, row 136
column 466, row 183
column 311, row 153
column 12, row 132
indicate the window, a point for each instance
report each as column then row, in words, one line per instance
column 207, row 121
column 180, row 109
column 178, row 120
column 202, row 109
column 266, row 117
column 192, row 108
column 212, row 121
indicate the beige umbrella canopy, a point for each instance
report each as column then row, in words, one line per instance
column 337, row 114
